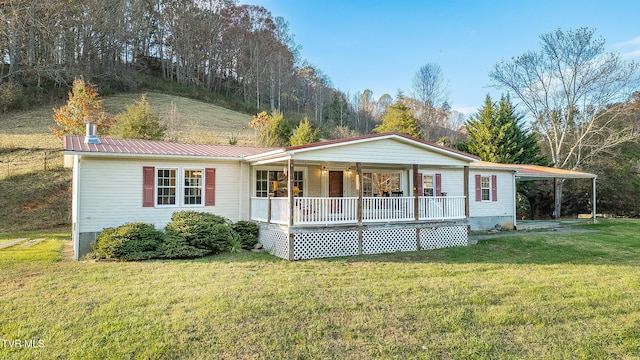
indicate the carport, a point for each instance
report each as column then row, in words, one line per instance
column 536, row 172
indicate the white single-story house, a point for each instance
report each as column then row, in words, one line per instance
column 363, row 195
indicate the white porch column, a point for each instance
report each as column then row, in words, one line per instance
column 290, row 192
column 466, row 191
column 416, row 200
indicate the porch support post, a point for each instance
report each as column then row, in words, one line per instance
column 466, row 192
column 593, row 201
column 268, row 208
column 416, row 199
column 290, row 195
column 359, row 181
column 291, row 245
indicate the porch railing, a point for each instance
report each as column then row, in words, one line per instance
column 344, row 210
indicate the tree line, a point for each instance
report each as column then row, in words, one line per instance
column 241, row 51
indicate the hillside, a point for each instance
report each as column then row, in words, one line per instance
column 35, row 190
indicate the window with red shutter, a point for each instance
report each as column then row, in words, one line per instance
column 148, row 186
column 494, row 188
column 478, row 188
column 438, row 184
column 210, row 187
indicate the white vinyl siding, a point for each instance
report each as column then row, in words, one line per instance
column 504, row 206
column 111, row 192
column 382, row 151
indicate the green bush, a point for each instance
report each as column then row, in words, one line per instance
column 247, row 233
column 133, row 241
column 11, row 96
column 201, row 230
column 175, row 247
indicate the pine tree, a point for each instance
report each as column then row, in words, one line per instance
column 139, row 122
column 304, row 133
column 495, row 134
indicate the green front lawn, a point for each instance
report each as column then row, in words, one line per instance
column 536, row 296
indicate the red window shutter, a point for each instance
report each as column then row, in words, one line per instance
column 419, row 185
column 494, row 188
column 148, row 185
column 438, row 184
column 478, row 188
column 210, row 187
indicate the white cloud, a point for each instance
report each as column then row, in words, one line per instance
column 629, row 49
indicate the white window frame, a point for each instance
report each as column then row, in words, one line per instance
column 179, row 186
column 483, row 188
column 184, row 186
column 254, row 187
column 400, row 173
column 433, row 184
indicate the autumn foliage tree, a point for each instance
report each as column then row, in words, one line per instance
column 83, row 106
column 271, row 130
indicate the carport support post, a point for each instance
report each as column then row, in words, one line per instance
column 593, row 201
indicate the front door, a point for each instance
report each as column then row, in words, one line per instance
column 336, row 186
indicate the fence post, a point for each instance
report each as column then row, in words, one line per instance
column 45, row 160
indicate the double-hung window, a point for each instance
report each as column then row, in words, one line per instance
column 193, row 187
column 275, row 182
column 166, row 186
column 428, row 185
column 380, row 183
column 178, row 187
column 485, row 186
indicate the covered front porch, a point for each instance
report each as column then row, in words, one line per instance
column 356, row 210
column 374, row 194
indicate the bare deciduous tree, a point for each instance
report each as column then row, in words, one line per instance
column 567, row 88
column 430, row 99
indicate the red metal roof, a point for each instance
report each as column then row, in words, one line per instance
column 373, row 136
column 150, row 147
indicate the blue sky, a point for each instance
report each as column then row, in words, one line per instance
column 380, row 45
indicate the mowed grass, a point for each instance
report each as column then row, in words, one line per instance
column 537, row 297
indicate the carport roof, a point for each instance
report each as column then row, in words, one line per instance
column 534, row 172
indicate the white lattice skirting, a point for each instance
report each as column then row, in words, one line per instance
column 322, row 243
column 275, row 242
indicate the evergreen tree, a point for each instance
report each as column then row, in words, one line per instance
column 83, row 106
column 398, row 118
column 139, row 122
column 304, row 134
column 495, row 134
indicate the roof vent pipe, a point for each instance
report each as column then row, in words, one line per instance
column 91, row 136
